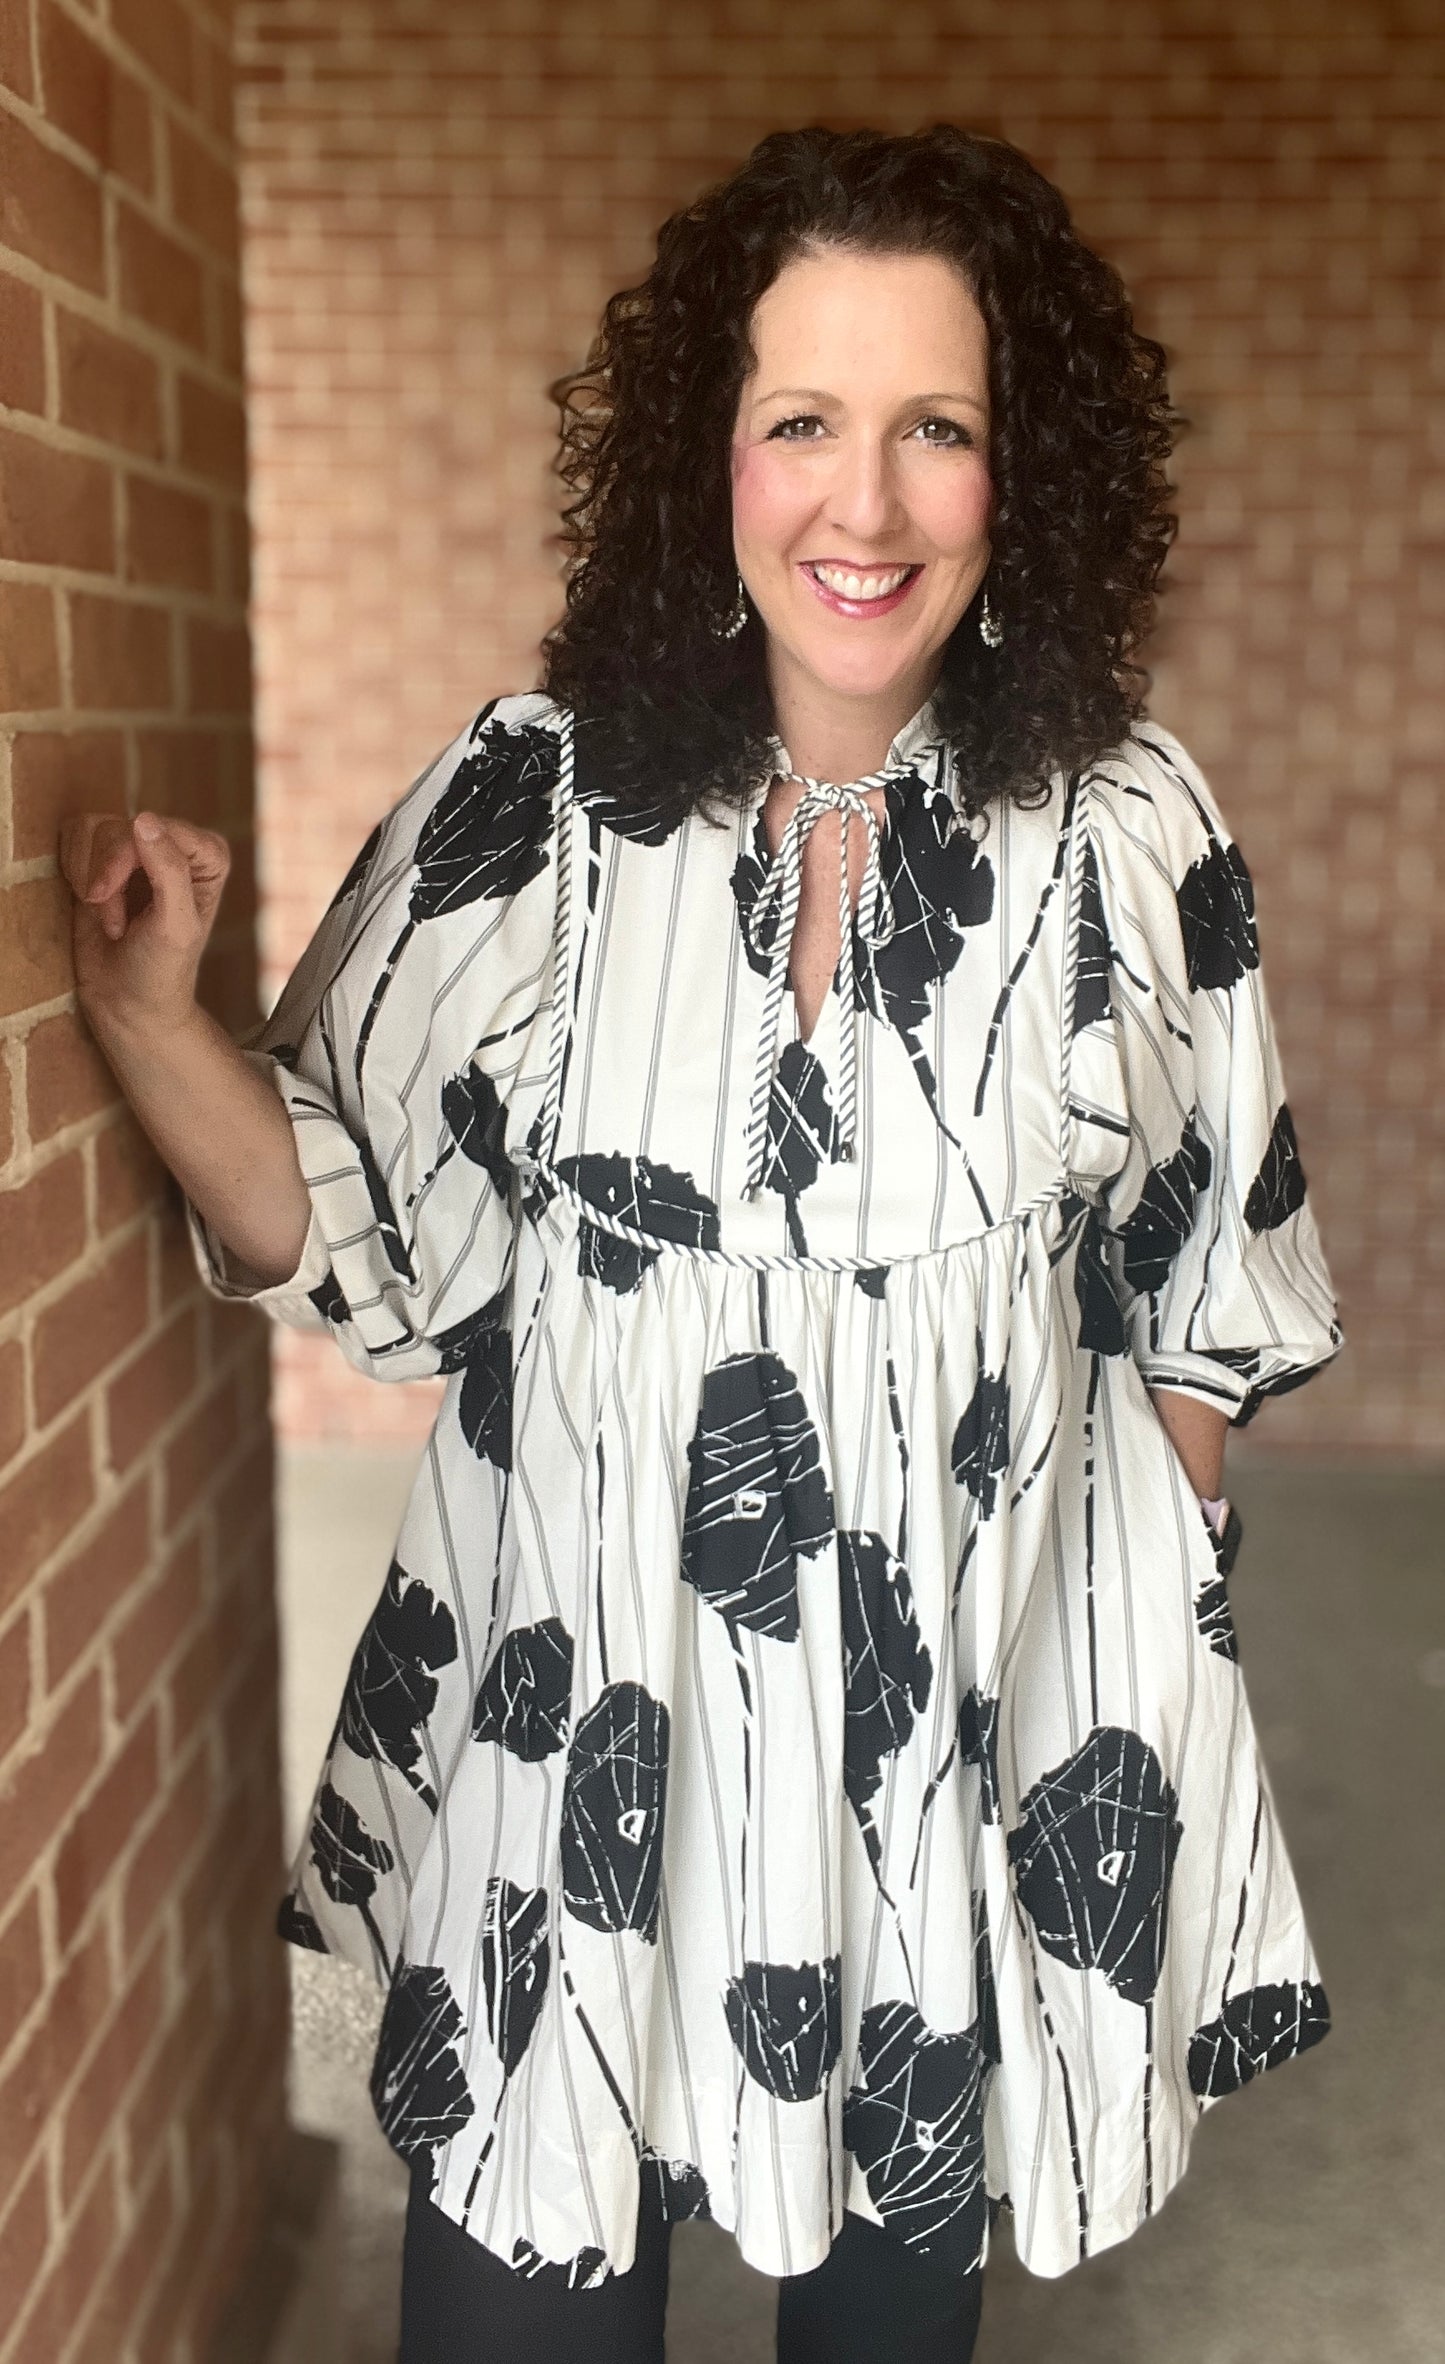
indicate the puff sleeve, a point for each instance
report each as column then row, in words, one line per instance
column 1208, row 1233
column 410, row 1038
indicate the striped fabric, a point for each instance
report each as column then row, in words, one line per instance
column 800, row 1751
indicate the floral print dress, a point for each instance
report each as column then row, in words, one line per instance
column 799, row 1752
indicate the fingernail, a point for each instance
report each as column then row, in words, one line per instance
column 146, row 825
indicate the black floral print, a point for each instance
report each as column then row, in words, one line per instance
column 786, row 2020
column 1095, row 953
column 417, row 2087
column 613, row 1811
column 978, row 1745
column 1093, row 1853
column 981, row 1439
column 585, row 2271
column 1167, row 1211
column 683, row 2188
column 802, row 1694
column 1278, row 1189
column 802, row 1132
column 1216, row 918
column 1255, row 2031
column 914, row 2122
column 525, row 1696
column 757, row 1500
column 516, row 1965
column 475, row 1115
column 887, row 1669
column 484, row 1408
column 392, row 1687
column 649, row 1197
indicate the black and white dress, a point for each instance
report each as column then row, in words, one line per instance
column 799, row 1751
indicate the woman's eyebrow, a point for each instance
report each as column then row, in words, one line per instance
column 820, row 394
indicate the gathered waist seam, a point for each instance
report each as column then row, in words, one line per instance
column 555, row 1185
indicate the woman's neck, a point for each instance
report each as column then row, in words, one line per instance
column 833, row 736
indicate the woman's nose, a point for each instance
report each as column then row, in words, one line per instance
column 863, row 496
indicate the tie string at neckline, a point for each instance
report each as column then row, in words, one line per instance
column 873, row 925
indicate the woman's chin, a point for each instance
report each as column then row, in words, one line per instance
column 864, row 674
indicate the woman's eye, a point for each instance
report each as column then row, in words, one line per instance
column 960, row 435
column 802, row 419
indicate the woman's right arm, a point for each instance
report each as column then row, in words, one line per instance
column 213, row 1117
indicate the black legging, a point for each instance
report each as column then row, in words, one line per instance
column 871, row 2301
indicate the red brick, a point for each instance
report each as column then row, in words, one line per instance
column 212, row 432
column 35, row 959
column 215, row 81
column 102, row 1830
column 91, row 1326
column 25, row 2234
column 159, row 33
column 64, row 2295
column 49, row 208
column 14, row 1684
column 111, row 2068
column 126, row 2280
column 41, row 1789
column 12, row 1398
column 203, row 194
column 168, row 536
column 89, row 1584
column 194, row 1683
column 160, row 280
column 29, row 657
column 218, row 667
column 22, row 1968
column 130, row 1177
column 43, row 1499
column 66, row 1077
column 17, row 71
column 93, row 99
column 195, row 1454
column 42, row 1225
column 158, row 1624
column 22, row 342
column 162, row 1857
column 121, row 653
column 183, row 770
column 56, row 507
column 53, row 774
column 152, row 1389
column 108, row 386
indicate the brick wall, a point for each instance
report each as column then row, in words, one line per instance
column 439, row 198
column 142, row 1997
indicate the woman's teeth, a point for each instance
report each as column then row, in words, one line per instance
column 849, row 586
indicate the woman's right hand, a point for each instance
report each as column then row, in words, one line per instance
column 137, row 954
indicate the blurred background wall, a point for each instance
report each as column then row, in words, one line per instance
column 142, row 1994
column 438, row 197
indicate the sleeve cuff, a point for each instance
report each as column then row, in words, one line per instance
column 1199, row 1375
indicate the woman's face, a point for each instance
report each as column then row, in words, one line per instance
column 860, row 450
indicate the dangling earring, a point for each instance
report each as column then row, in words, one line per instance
column 990, row 630
column 733, row 624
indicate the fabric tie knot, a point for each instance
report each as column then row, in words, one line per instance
column 872, row 925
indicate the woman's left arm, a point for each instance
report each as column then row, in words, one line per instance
column 1197, row 1432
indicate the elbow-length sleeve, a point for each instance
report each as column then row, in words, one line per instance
column 410, row 1039
column 1208, row 1233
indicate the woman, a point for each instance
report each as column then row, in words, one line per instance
column 804, row 1077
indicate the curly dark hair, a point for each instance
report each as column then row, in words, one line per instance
column 672, row 716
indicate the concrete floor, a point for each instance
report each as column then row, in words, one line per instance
column 1307, row 2230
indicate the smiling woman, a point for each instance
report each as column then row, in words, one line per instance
column 799, row 1769
column 862, row 352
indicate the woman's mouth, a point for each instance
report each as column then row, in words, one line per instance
column 874, row 591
